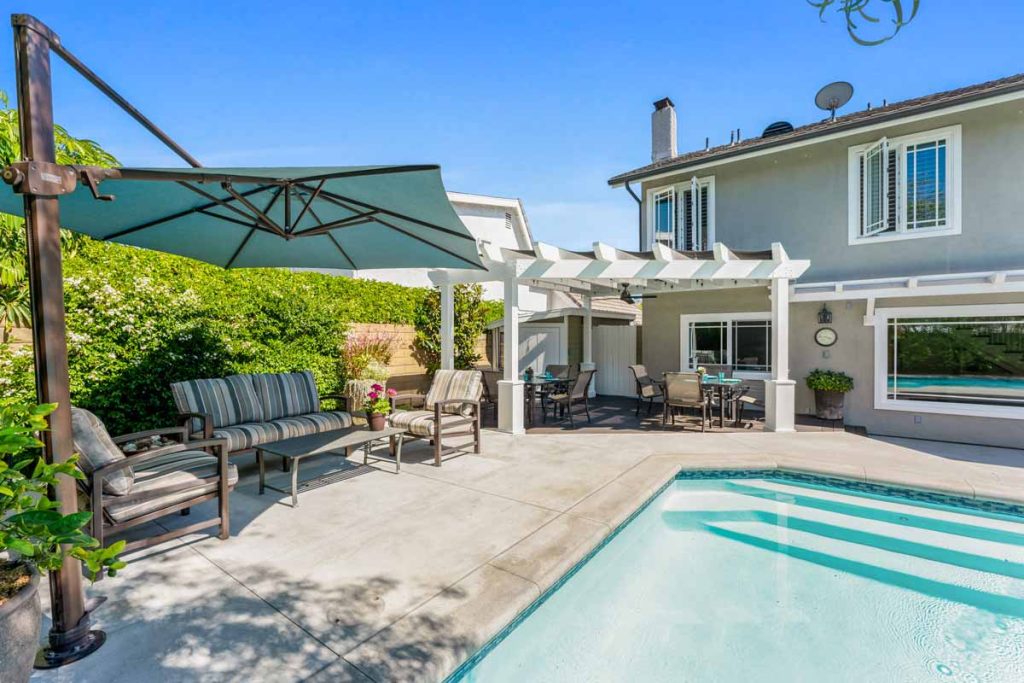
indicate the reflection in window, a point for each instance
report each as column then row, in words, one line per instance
column 976, row 360
column 743, row 344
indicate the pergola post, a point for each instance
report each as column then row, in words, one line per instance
column 779, row 404
column 588, row 340
column 70, row 638
column 447, row 326
column 510, row 387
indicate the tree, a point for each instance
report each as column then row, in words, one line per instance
column 471, row 316
column 902, row 12
column 14, row 298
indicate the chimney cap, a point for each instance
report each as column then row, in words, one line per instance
column 662, row 103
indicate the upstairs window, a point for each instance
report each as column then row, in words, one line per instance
column 906, row 187
column 682, row 215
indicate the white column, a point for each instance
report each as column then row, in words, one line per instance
column 447, row 326
column 510, row 388
column 588, row 340
column 779, row 405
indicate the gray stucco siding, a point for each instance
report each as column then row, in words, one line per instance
column 799, row 197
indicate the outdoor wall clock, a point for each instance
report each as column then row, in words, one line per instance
column 826, row 336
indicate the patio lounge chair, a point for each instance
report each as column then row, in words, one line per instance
column 646, row 388
column 577, row 393
column 683, row 390
column 127, row 489
column 451, row 403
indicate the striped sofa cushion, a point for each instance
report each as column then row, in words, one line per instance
column 246, row 436
column 230, row 401
column 287, row 394
column 453, row 384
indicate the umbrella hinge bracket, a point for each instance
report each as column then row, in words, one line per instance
column 91, row 177
column 41, row 178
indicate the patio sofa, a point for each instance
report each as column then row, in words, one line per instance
column 450, row 408
column 247, row 411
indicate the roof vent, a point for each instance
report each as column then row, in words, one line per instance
column 777, row 128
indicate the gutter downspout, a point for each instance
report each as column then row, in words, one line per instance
column 639, row 215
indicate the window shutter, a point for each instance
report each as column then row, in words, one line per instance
column 875, row 198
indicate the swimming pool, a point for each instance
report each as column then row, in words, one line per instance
column 761, row 577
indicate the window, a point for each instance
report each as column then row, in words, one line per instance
column 906, row 187
column 742, row 340
column 683, row 215
column 962, row 360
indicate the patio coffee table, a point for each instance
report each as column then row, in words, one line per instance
column 292, row 451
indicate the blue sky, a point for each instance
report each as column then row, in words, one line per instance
column 538, row 100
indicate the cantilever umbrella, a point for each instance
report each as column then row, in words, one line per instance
column 327, row 217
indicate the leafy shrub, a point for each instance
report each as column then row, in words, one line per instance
column 829, row 380
column 471, row 316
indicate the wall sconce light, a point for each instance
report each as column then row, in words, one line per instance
column 824, row 315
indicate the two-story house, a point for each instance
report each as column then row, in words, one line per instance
column 912, row 217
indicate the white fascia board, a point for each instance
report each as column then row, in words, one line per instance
column 953, row 284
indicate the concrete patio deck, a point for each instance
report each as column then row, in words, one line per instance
column 380, row 577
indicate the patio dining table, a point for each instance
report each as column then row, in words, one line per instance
column 719, row 385
column 534, row 387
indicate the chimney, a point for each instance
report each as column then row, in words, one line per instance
column 663, row 130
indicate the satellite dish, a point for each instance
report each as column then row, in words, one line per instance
column 833, row 96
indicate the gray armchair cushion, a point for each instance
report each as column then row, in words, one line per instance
column 454, row 384
column 287, row 394
column 95, row 449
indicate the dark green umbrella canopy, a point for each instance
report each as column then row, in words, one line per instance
column 332, row 217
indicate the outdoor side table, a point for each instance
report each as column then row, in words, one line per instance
column 294, row 450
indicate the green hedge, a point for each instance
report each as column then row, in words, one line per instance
column 139, row 320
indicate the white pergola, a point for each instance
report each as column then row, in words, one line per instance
column 605, row 271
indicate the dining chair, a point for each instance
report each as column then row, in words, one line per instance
column 684, row 390
column 647, row 389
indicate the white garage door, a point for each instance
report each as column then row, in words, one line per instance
column 614, row 352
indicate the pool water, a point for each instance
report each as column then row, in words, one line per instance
column 776, row 579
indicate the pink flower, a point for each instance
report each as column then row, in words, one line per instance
column 373, row 395
column 392, row 392
column 377, row 387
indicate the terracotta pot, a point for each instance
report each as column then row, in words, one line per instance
column 828, row 405
column 19, row 632
column 377, row 422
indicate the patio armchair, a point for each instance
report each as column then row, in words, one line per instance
column 576, row 394
column 684, row 390
column 646, row 388
column 172, row 474
column 451, row 407
column 748, row 396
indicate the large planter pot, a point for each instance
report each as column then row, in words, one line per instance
column 828, row 405
column 19, row 633
column 377, row 422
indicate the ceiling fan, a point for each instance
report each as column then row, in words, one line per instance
column 633, row 298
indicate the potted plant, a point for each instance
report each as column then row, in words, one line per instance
column 830, row 387
column 34, row 536
column 378, row 405
column 365, row 359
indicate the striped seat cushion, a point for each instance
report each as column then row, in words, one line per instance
column 186, row 468
column 229, row 401
column 287, row 394
column 96, row 449
column 246, row 436
column 421, row 422
column 454, row 384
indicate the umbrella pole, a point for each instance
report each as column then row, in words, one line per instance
column 70, row 638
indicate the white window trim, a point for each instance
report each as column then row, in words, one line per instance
column 707, row 181
column 952, row 134
column 684, row 338
column 881, row 320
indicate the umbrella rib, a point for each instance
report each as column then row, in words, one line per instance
column 173, row 216
column 311, row 199
column 261, row 216
column 358, row 219
column 416, row 237
column 234, row 195
column 240, row 247
column 236, row 221
column 338, row 199
column 343, row 252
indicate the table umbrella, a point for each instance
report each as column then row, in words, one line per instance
column 350, row 218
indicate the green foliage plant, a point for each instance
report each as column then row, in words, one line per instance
column 33, row 532
column 367, row 356
column 829, row 380
column 471, row 317
column 859, row 12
